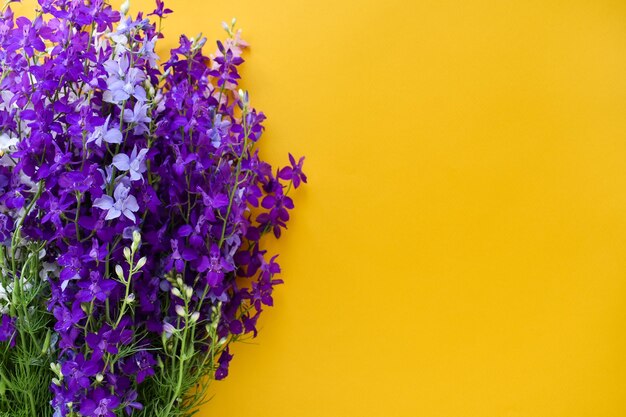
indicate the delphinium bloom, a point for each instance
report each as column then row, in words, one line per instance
column 144, row 183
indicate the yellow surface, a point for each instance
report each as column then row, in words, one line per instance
column 460, row 250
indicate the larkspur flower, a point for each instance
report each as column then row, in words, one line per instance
column 121, row 203
column 96, row 288
column 294, row 172
column 67, row 317
column 106, row 134
column 124, row 81
column 99, row 404
column 138, row 117
column 7, row 330
column 135, row 164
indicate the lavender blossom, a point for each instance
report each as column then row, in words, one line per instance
column 121, row 203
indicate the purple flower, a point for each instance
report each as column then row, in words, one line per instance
column 215, row 265
column 6, row 227
column 99, row 404
column 121, row 203
column 107, row 340
column 131, row 403
column 294, row 172
column 67, row 317
column 160, row 9
column 141, row 364
column 138, row 116
column 7, row 330
column 224, row 361
column 96, row 288
column 135, row 164
column 103, row 133
column 78, row 372
column 75, row 181
column 219, row 129
column 123, row 82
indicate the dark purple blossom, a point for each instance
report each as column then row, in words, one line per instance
column 67, row 317
column 294, row 172
column 99, row 404
column 7, row 330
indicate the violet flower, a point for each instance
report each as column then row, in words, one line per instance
column 103, row 133
column 135, row 164
column 99, row 404
column 121, row 203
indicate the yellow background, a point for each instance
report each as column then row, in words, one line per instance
column 460, row 250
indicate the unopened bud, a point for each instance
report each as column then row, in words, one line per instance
column 119, row 271
column 176, row 292
column 99, row 377
column 180, row 310
column 131, row 298
column 200, row 43
column 142, row 261
column 194, row 317
column 168, row 329
column 188, row 291
column 125, row 7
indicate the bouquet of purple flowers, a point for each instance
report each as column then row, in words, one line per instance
column 133, row 203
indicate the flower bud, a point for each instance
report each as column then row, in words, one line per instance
column 131, row 298
column 180, row 310
column 168, row 329
column 125, row 7
column 200, row 43
column 127, row 253
column 46, row 343
column 136, row 236
column 56, row 368
column 188, row 292
column 142, row 261
column 99, row 377
column 119, row 271
column 176, row 292
column 194, row 317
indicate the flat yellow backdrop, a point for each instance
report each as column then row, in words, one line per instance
column 460, row 250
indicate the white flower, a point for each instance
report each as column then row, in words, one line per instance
column 7, row 143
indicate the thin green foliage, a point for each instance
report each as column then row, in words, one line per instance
column 25, row 369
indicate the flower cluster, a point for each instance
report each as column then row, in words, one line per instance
column 142, row 184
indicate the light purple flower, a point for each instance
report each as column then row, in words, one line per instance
column 123, row 81
column 135, row 164
column 103, row 133
column 216, row 132
column 138, row 116
column 124, row 203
